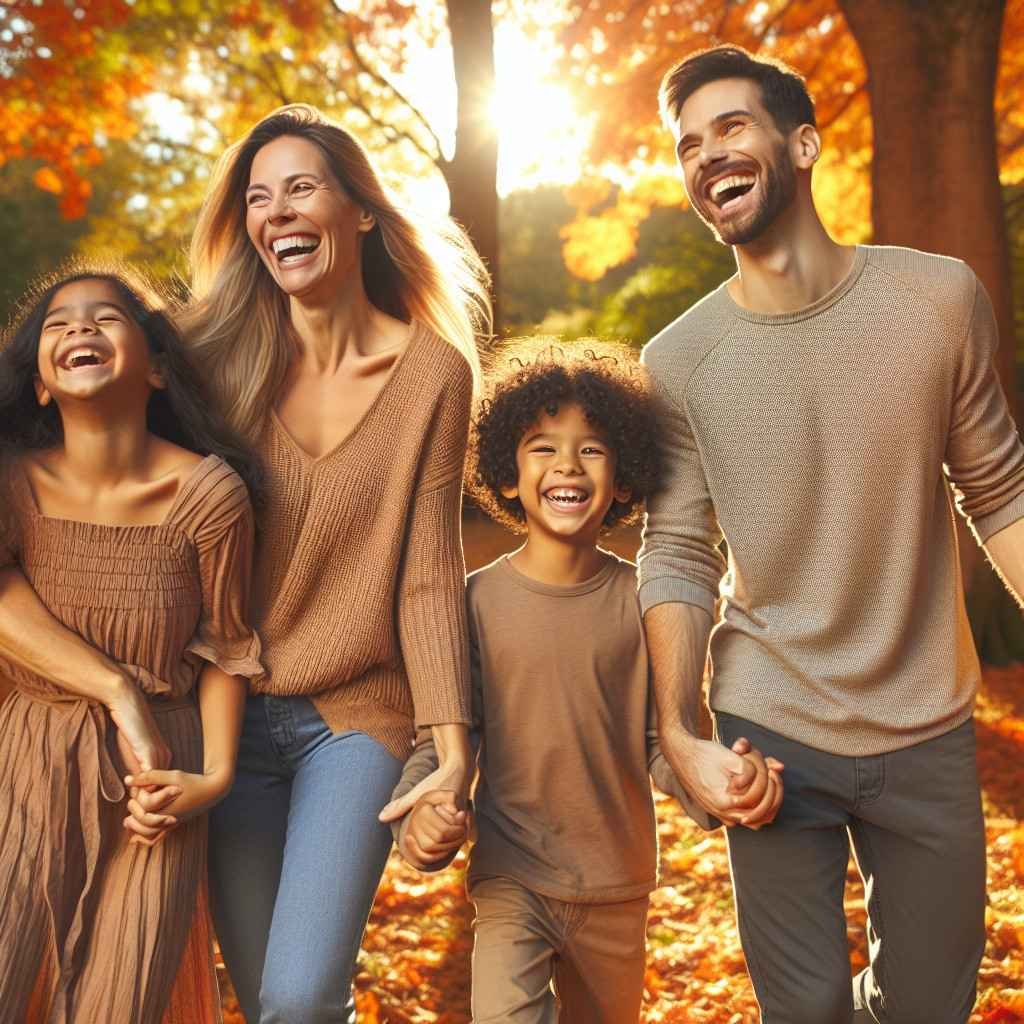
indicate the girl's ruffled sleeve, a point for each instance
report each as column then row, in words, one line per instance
column 223, row 536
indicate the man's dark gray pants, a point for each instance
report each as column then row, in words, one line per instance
column 914, row 819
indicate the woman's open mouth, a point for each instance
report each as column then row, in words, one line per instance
column 294, row 248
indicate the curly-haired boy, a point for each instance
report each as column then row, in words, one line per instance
column 564, row 447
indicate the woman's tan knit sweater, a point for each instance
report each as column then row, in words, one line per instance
column 359, row 574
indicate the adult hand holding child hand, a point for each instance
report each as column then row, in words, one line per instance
column 161, row 799
column 738, row 785
column 433, row 830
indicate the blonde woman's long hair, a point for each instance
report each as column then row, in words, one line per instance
column 238, row 325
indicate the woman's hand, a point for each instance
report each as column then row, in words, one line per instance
column 453, row 775
column 159, row 800
column 138, row 736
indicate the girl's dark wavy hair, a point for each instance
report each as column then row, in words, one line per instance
column 180, row 412
column 532, row 376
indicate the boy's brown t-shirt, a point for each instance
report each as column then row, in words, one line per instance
column 564, row 708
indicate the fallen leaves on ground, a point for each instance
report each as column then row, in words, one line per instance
column 414, row 966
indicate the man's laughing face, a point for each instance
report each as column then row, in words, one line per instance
column 737, row 168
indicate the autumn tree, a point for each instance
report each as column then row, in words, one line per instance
column 154, row 91
column 905, row 95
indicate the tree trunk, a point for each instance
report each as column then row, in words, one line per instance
column 472, row 172
column 935, row 175
column 935, row 186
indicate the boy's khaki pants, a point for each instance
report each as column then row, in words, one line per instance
column 538, row 960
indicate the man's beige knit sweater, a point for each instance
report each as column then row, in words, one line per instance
column 820, row 443
column 359, row 574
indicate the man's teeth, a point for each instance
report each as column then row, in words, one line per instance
column 733, row 181
column 568, row 495
column 293, row 246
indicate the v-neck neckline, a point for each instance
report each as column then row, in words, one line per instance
column 415, row 329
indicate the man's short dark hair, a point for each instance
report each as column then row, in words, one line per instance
column 783, row 91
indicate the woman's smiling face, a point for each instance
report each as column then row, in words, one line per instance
column 301, row 221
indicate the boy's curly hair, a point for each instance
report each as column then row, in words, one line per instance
column 533, row 376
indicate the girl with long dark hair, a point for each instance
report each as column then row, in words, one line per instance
column 125, row 547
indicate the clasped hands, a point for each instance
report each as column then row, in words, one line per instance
column 737, row 784
column 159, row 798
column 434, row 823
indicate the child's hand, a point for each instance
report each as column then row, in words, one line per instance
column 145, row 808
column 434, row 828
column 760, row 788
column 160, row 800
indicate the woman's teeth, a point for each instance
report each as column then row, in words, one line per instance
column 294, row 247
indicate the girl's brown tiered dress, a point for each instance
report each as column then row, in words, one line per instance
column 93, row 929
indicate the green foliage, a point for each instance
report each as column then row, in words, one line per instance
column 677, row 262
column 534, row 278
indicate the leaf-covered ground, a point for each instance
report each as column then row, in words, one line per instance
column 415, row 961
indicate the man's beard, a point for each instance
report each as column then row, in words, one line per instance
column 778, row 188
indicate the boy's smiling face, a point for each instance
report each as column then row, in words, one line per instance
column 566, row 476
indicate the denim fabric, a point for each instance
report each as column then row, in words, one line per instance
column 913, row 819
column 296, row 854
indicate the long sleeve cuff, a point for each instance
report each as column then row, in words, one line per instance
column 674, row 590
column 988, row 525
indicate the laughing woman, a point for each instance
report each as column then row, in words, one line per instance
column 340, row 337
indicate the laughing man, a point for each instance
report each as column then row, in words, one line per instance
column 820, row 404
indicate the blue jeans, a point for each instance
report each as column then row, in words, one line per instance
column 296, row 854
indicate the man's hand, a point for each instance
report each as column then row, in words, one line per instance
column 434, row 828
column 738, row 786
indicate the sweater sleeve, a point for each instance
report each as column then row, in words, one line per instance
column 984, row 456
column 679, row 560
column 423, row 760
column 224, row 541
column 8, row 554
column 14, row 495
column 432, row 586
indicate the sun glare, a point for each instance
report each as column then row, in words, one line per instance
column 542, row 134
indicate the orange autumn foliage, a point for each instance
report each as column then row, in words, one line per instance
column 73, row 75
column 616, row 53
column 53, row 110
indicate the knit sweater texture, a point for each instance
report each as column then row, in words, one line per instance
column 822, row 445
column 359, row 574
